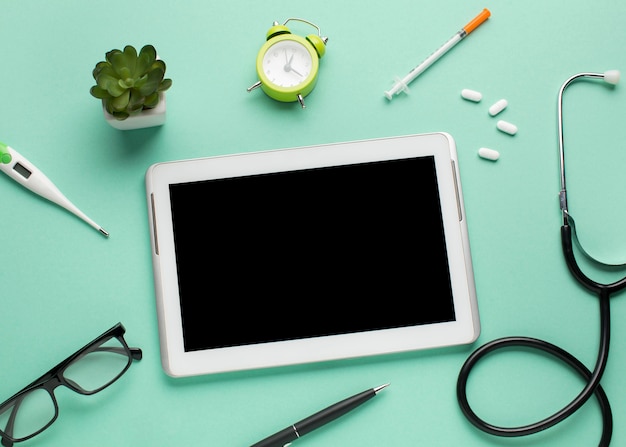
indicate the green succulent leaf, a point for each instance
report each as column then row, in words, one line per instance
column 99, row 93
column 119, row 103
column 107, row 106
column 136, row 101
column 153, row 80
column 130, row 58
column 107, row 79
column 111, row 56
column 123, row 62
column 114, row 88
column 146, row 58
column 152, row 101
column 101, row 66
column 120, row 116
column 111, row 53
column 139, row 83
column 103, row 69
column 126, row 75
column 126, row 83
column 165, row 84
column 158, row 64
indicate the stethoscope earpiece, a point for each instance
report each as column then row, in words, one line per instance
column 611, row 76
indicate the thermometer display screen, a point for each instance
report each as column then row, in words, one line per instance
column 20, row 169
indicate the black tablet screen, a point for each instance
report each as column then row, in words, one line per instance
column 310, row 253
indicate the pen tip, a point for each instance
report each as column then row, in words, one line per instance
column 381, row 387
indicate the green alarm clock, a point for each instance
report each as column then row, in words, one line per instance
column 287, row 64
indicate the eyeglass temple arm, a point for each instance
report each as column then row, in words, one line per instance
column 136, row 353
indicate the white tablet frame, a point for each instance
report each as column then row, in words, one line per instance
column 178, row 363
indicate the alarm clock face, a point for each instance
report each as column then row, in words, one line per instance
column 288, row 63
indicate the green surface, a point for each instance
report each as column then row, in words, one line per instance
column 62, row 284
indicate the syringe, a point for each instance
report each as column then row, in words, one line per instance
column 402, row 85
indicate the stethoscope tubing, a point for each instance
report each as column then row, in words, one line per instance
column 568, row 252
column 592, row 379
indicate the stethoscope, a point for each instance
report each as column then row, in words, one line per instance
column 603, row 291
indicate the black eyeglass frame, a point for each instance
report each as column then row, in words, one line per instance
column 55, row 378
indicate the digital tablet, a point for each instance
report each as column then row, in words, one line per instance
column 310, row 254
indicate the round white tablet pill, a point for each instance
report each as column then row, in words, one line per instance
column 507, row 127
column 498, row 107
column 489, row 154
column 471, row 95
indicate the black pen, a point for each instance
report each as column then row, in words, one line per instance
column 299, row 429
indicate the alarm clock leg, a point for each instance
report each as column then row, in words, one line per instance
column 301, row 101
column 253, row 86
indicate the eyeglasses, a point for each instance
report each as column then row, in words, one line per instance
column 87, row 371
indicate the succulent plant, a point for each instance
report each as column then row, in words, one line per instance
column 128, row 83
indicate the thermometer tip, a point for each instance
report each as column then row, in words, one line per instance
column 103, row 231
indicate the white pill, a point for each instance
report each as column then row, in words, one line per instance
column 489, row 154
column 507, row 127
column 498, row 107
column 471, row 95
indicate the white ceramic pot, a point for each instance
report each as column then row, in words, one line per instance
column 146, row 118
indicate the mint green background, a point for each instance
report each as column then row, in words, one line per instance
column 61, row 284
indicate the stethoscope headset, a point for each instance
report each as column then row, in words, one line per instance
column 603, row 291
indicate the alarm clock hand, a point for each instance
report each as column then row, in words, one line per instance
column 288, row 60
column 288, row 68
column 296, row 72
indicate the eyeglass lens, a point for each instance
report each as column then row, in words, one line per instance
column 29, row 413
column 32, row 411
column 98, row 368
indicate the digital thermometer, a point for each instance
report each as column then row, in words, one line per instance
column 23, row 172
